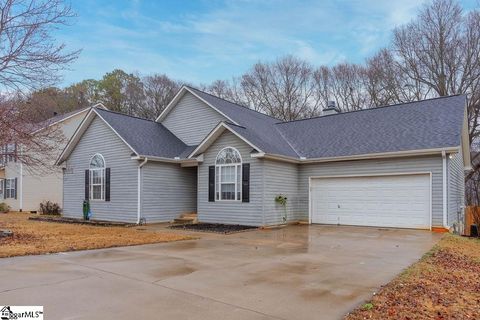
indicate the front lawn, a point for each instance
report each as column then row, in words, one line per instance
column 444, row 284
column 35, row 237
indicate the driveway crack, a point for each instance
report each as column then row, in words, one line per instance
column 45, row 284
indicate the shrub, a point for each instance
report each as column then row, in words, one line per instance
column 49, row 207
column 4, row 207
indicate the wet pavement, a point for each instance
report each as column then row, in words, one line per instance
column 298, row 272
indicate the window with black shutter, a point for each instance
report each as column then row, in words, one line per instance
column 87, row 184
column 211, row 184
column 246, row 182
column 107, row 184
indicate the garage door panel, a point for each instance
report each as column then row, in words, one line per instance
column 387, row 201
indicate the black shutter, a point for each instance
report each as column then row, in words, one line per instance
column 87, row 184
column 107, row 184
column 211, row 184
column 15, row 188
column 4, row 188
column 246, row 182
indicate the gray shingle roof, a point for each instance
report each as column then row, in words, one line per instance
column 258, row 128
column 427, row 124
column 57, row 118
column 146, row 137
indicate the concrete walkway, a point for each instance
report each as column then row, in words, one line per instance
column 299, row 272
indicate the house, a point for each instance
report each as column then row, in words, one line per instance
column 393, row 166
column 23, row 187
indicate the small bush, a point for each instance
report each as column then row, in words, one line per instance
column 49, row 207
column 4, row 208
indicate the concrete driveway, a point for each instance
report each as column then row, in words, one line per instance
column 299, row 272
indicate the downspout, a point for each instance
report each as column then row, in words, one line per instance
column 139, row 189
column 444, row 182
column 21, row 183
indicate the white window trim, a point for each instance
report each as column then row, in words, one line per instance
column 102, row 179
column 218, row 175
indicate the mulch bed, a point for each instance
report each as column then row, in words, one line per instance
column 214, row 227
column 80, row 221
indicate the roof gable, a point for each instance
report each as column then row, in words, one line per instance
column 144, row 137
column 183, row 90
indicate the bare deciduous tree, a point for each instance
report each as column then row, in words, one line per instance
column 159, row 89
column 440, row 49
column 344, row 84
column 33, row 144
column 284, row 89
column 29, row 55
column 30, row 58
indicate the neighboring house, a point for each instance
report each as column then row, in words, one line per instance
column 24, row 187
column 393, row 166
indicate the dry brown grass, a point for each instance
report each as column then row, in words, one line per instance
column 444, row 284
column 35, row 237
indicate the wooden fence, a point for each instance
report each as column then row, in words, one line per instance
column 472, row 216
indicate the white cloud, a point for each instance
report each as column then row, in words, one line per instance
column 224, row 39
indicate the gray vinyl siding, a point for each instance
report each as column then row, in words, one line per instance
column 456, row 189
column 280, row 178
column 168, row 190
column 99, row 138
column 231, row 212
column 431, row 164
column 191, row 120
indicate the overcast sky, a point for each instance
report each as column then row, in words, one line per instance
column 201, row 41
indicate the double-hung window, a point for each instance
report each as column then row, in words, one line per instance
column 9, row 188
column 228, row 173
column 97, row 177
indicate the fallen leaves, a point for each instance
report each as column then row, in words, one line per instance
column 444, row 284
column 35, row 237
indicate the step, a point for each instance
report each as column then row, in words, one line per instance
column 185, row 220
column 189, row 215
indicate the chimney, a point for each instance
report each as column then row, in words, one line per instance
column 331, row 108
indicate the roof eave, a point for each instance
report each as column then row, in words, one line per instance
column 395, row 154
column 165, row 159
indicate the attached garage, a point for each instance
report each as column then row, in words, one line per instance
column 390, row 200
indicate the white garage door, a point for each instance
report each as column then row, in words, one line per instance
column 401, row 201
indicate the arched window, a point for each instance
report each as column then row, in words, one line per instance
column 228, row 173
column 97, row 177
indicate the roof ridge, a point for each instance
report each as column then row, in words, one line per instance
column 126, row 115
column 373, row 108
column 234, row 103
column 65, row 114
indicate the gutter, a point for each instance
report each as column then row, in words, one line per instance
column 168, row 160
column 139, row 190
column 356, row 157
